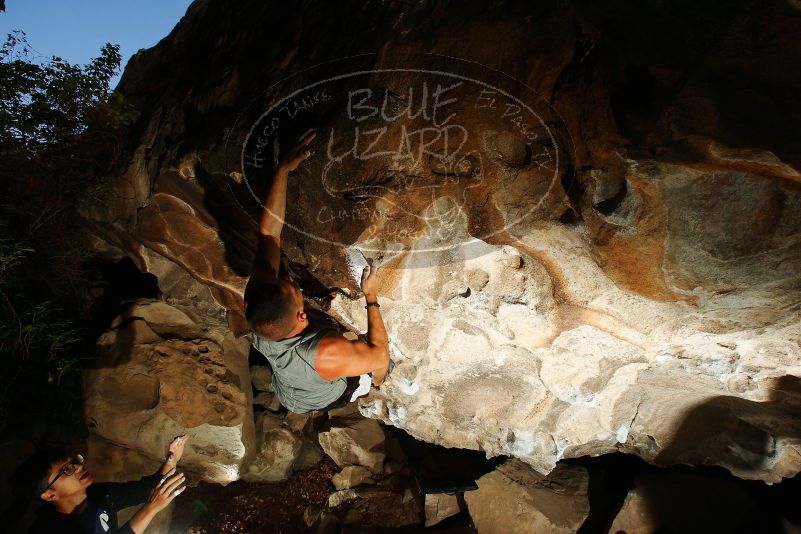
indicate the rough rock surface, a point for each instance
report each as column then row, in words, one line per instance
column 278, row 449
column 359, row 443
column 620, row 273
column 440, row 506
column 350, row 477
column 375, row 506
column 515, row 498
column 145, row 388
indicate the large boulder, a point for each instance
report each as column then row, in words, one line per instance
column 590, row 240
column 515, row 498
column 545, row 360
column 145, row 388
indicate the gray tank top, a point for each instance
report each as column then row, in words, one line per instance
column 295, row 380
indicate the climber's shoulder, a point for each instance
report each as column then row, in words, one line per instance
column 330, row 350
column 338, row 357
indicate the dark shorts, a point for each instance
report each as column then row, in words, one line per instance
column 353, row 383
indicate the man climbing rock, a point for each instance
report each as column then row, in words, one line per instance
column 314, row 365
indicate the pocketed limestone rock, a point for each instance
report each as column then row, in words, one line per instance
column 144, row 389
column 554, row 359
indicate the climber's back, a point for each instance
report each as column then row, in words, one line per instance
column 297, row 384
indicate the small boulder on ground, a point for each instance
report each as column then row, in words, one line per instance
column 374, row 506
column 439, row 506
column 350, row 477
column 277, row 453
column 340, row 497
column 360, row 443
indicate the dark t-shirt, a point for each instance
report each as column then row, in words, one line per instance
column 98, row 514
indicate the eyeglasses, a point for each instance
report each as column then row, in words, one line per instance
column 68, row 470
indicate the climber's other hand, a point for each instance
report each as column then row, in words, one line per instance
column 370, row 282
column 290, row 161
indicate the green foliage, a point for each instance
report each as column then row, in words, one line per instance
column 61, row 131
column 36, row 339
column 51, row 102
column 11, row 255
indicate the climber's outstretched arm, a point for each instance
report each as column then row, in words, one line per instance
column 268, row 258
column 268, row 251
column 338, row 357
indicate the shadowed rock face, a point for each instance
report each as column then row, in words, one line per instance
column 615, row 266
column 159, row 374
column 515, row 499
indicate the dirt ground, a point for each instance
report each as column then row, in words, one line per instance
column 242, row 507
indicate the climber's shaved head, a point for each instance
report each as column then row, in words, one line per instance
column 274, row 309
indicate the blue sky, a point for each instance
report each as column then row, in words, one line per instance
column 76, row 29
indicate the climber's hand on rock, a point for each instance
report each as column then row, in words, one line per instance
column 166, row 490
column 296, row 154
column 176, row 449
column 378, row 379
column 370, row 282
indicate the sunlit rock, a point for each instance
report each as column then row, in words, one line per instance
column 618, row 268
column 359, row 443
